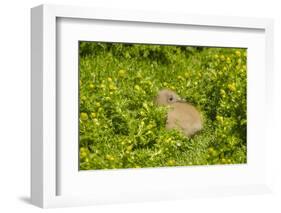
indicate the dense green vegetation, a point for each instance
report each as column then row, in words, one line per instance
column 120, row 127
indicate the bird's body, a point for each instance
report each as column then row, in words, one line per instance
column 184, row 117
column 181, row 115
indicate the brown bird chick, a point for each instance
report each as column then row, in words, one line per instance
column 181, row 115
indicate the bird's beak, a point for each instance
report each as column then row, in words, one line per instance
column 181, row 101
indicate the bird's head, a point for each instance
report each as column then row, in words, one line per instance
column 166, row 97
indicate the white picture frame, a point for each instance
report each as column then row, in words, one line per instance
column 48, row 161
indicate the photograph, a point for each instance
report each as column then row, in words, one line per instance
column 161, row 105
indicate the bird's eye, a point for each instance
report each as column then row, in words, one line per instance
column 171, row 99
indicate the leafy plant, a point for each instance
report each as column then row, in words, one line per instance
column 120, row 127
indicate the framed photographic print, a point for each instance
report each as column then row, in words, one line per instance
column 129, row 106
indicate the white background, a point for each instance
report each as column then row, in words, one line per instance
column 102, row 185
column 15, row 105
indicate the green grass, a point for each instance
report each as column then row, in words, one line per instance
column 120, row 127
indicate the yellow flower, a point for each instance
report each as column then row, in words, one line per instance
column 93, row 115
column 96, row 122
column 98, row 104
column 145, row 105
column 112, row 87
column 109, row 79
column 222, row 57
column 129, row 148
column 149, row 83
column 211, row 149
column 137, row 87
column 149, row 132
column 219, row 118
column 142, row 113
column 83, row 116
column 83, row 152
column 231, row 87
column 180, row 78
column 121, row 73
column 228, row 60
column 102, row 86
column 109, row 157
column 171, row 162
column 216, row 56
column 83, row 149
column 150, row 126
column 222, row 92
column 91, row 86
column 238, row 53
column 83, row 98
